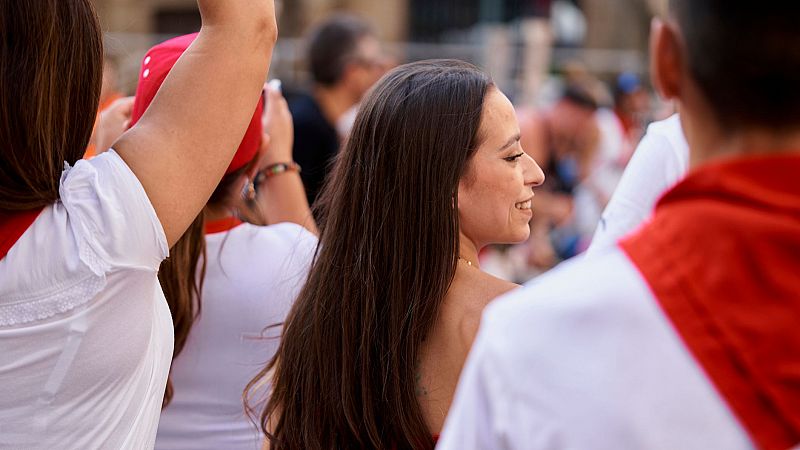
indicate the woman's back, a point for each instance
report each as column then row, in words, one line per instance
column 447, row 346
column 253, row 275
column 85, row 332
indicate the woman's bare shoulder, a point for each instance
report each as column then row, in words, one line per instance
column 469, row 295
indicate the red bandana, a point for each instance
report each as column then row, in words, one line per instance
column 222, row 225
column 722, row 256
column 13, row 226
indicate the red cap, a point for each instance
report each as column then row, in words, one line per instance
column 156, row 66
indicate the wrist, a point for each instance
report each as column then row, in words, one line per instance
column 278, row 168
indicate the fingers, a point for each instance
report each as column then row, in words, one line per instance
column 276, row 108
column 124, row 105
column 266, row 140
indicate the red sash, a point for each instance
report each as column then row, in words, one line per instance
column 13, row 226
column 222, row 225
column 722, row 256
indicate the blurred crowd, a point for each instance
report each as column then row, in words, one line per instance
column 583, row 132
column 397, row 256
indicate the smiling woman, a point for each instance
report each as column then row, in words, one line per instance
column 432, row 172
column 495, row 195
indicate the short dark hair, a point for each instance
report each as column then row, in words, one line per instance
column 333, row 44
column 745, row 57
column 579, row 96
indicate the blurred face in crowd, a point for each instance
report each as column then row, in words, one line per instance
column 573, row 128
column 496, row 192
column 367, row 67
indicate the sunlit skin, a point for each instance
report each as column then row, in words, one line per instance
column 492, row 194
column 492, row 197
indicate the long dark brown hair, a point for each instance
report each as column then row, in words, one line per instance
column 343, row 376
column 51, row 64
column 182, row 274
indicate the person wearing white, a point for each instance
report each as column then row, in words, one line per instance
column 660, row 161
column 85, row 332
column 583, row 358
column 253, row 275
column 684, row 334
column 241, row 279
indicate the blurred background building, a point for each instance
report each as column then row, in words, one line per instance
column 520, row 42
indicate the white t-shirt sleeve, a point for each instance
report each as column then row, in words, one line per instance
column 660, row 161
column 113, row 221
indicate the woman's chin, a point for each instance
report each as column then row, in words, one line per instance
column 515, row 236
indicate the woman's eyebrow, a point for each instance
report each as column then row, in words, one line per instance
column 514, row 139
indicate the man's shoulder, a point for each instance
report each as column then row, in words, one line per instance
column 599, row 288
column 574, row 317
column 586, row 354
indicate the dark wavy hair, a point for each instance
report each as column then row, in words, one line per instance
column 343, row 376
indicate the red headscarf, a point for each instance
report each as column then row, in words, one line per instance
column 156, row 66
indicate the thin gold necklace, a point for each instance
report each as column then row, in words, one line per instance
column 468, row 262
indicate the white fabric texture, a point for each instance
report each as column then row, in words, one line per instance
column 660, row 161
column 85, row 331
column 584, row 358
column 253, row 276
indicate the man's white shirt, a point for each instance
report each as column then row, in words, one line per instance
column 584, row 358
column 660, row 161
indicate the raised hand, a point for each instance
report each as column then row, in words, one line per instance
column 112, row 124
column 181, row 146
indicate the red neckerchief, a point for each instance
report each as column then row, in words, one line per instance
column 722, row 256
column 13, row 225
column 222, row 225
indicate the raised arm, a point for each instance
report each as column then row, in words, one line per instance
column 282, row 197
column 181, row 146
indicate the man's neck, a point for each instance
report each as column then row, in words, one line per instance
column 753, row 142
column 334, row 102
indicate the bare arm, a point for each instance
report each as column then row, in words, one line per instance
column 181, row 146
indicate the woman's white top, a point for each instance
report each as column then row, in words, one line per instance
column 253, row 276
column 660, row 161
column 85, row 332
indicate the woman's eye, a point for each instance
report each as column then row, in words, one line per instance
column 514, row 158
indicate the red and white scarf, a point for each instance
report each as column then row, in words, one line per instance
column 722, row 256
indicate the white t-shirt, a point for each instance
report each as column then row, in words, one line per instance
column 85, row 331
column 253, row 276
column 660, row 161
column 595, row 364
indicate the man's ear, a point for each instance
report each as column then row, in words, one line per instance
column 666, row 59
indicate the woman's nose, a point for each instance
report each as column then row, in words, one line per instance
column 534, row 176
